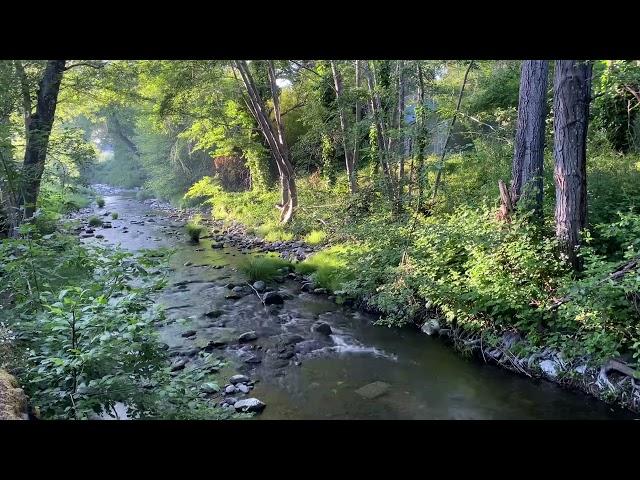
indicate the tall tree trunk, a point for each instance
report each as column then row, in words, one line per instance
column 38, row 130
column 274, row 134
column 526, row 176
column 356, row 142
column 572, row 94
column 344, row 127
column 421, row 140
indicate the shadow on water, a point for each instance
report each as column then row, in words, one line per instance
column 360, row 371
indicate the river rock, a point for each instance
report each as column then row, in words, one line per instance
column 247, row 337
column 272, row 298
column 178, row 365
column 321, row 327
column 210, row 387
column 260, row 286
column 189, row 333
column 213, row 314
column 293, row 339
column 549, row 368
column 249, row 405
column 242, row 388
column 373, row 390
column 230, row 400
column 220, row 337
column 431, row 326
column 308, row 346
column 217, row 246
column 255, row 359
column 233, row 296
column 320, row 290
column 238, row 379
column 229, row 389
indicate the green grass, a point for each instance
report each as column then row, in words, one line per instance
column 315, row 237
column 95, row 222
column 100, row 202
column 274, row 233
column 194, row 230
column 264, row 268
column 329, row 268
column 114, row 216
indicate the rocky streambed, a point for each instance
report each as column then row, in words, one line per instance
column 293, row 353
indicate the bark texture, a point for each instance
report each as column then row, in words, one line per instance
column 572, row 93
column 526, row 176
column 38, row 129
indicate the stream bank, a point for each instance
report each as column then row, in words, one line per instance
column 303, row 369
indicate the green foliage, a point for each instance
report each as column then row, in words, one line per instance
column 330, row 268
column 263, row 267
column 100, row 202
column 114, row 215
column 194, row 231
column 86, row 327
column 95, row 221
column 315, row 237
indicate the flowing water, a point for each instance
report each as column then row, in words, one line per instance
column 405, row 374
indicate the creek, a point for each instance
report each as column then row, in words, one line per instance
column 358, row 371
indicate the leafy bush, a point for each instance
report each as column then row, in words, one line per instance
column 85, row 325
column 100, row 202
column 194, row 231
column 114, row 216
column 95, row 221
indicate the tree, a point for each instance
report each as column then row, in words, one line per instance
column 572, row 94
column 526, row 176
column 273, row 132
column 38, row 126
column 344, row 127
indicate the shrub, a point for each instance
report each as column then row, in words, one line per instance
column 100, row 202
column 194, row 231
column 95, row 221
column 263, row 267
column 114, row 216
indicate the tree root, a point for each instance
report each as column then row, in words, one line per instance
column 623, row 368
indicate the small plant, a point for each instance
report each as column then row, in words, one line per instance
column 315, row 237
column 100, row 202
column 95, row 222
column 194, row 230
column 263, row 268
column 114, row 216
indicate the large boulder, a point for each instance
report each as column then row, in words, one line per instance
column 249, row 405
column 238, row 379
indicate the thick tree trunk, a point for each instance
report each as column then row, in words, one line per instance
column 38, row 130
column 344, row 127
column 572, row 94
column 526, row 176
